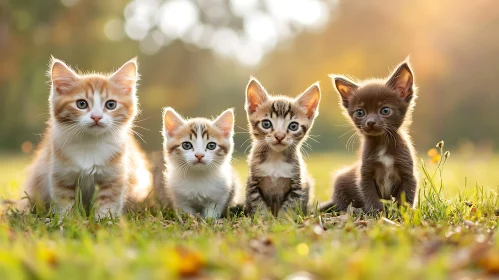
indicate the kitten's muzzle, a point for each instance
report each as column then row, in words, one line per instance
column 371, row 127
column 372, row 130
column 279, row 137
column 96, row 119
column 370, row 123
column 199, row 157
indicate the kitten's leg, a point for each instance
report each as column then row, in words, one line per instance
column 296, row 199
column 63, row 193
column 110, row 197
column 372, row 203
column 345, row 191
column 184, row 206
column 408, row 186
column 254, row 200
column 213, row 210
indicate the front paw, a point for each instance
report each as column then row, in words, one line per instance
column 105, row 213
column 261, row 211
column 62, row 210
column 212, row 214
column 374, row 209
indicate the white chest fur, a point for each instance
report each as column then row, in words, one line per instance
column 89, row 154
column 200, row 187
column 275, row 167
column 387, row 184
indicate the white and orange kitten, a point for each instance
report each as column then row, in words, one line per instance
column 88, row 143
column 199, row 177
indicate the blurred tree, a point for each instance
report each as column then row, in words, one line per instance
column 197, row 57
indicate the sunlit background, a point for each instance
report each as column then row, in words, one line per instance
column 197, row 56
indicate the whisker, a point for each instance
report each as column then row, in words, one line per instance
column 351, row 130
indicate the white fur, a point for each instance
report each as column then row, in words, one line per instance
column 200, row 187
column 88, row 153
column 387, row 161
column 275, row 167
column 204, row 184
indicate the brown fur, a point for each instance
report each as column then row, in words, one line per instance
column 278, row 179
column 387, row 168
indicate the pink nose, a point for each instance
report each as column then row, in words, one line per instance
column 96, row 119
column 279, row 137
column 199, row 156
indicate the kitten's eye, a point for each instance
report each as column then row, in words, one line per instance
column 266, row 124
column 81, row 104
column 211, row 146
column 293, row 126
column 186, row 146
column 360, row 113
column 111, row 105
column 386, row 111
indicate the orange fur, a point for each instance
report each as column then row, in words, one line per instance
column 90, row 147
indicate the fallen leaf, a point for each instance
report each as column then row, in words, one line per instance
column 360, row 223
column 468, row 223
column 390, row 222
column 490, row 262
column 318, row 230
column 190, row 263
column 262, row 246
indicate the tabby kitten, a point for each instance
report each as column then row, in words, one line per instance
column 381, row 111
column 278, row 179
column 199, row 176
column 89, row 143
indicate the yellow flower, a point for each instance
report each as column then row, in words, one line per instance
column 435, row 159
column 432, row 152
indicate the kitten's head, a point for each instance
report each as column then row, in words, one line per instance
column 280, row 122
column 379, row 107
column 198, row 143
column 93, row 103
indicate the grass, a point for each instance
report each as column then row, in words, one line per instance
column 452, row 234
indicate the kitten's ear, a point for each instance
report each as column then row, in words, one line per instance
column 225, row 122
column 344, row 87
column 172, row 121
column 255, row 95
column 402, row 81
column 127, row 76
column 310, row 99
column 62, row 76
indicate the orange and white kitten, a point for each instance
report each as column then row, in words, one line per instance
column 199, row 176
column 88, row 143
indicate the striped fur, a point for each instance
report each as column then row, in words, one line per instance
column 278, row 179
column 79, row 150
column 199, row 180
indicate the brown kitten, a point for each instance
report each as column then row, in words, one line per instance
column 278, row 179
column 381, row 111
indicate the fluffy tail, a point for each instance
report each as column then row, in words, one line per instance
column 327, row 207
column 158, row 175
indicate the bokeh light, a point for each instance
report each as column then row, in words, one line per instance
column 263, row 24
